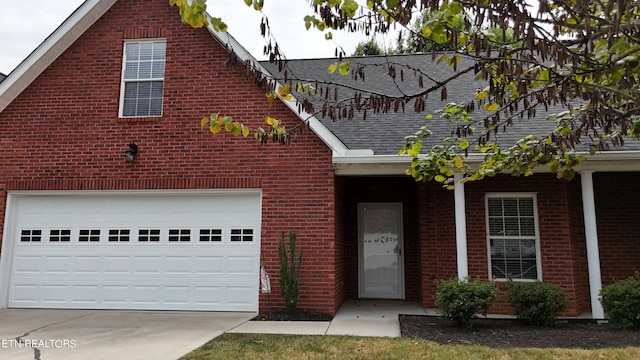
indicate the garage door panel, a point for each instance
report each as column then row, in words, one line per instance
column 208, row 265
column 25, row 294
column 239, row 295
column 241, row 265
column 147, row 265
column 87, row 265
column 54, row 294
column 137, row 252
column 26, row 264
column 85, row 294
column 177, row 294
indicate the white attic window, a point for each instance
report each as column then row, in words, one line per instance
column 142, row 85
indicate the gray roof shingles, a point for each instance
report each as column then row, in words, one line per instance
column 384, row 133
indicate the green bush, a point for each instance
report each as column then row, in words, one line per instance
column 289, row 272
column 621, row 301
column 536, row 303
column 460, row 301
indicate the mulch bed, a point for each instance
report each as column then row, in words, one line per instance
column 496, row 333
column 295, row 316
column 503, row 333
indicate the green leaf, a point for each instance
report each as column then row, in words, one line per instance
column 426, row 31
column 464, row 144
column 455, row 8
column 332, row 68
column 415, row 148
column 345, row 68
column 215, row 128
column 349, row 7
column 392, row 3
column 218, row 24
column 619, row 47
column 490, row 107
column 236, row 129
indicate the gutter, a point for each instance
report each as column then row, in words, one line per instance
column 363, row 163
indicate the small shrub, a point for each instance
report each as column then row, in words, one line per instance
column 460, row 301
column 536, row 303
column 289, row 272
column 621, row 301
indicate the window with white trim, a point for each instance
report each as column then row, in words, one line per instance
column 59, row 235
column 89, row 235
column 179, row 235
column 119, row 235
column 513, row 241
column 142, row 85
column 244, row 235
column 31, row 235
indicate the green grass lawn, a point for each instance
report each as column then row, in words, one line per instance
column 262, row 346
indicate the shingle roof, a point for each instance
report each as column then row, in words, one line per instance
column 384, row 133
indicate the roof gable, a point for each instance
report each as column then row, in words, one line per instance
column 81, row 20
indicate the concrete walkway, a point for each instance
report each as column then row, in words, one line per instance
column 104, row 334
column 355, row 317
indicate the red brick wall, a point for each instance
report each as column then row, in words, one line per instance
column 582, row 294
column 437, row 238
column 561, row 255
column 381, row 189
column 561, row 221
column 63, row 133
column 617, row 205
column 340, row 235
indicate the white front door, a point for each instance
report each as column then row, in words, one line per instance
column 380, row 248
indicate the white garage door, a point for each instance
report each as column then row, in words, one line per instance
column 160, row 251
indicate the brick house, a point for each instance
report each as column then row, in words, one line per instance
column 190, row 222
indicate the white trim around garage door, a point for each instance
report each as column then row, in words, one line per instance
column 150, row 250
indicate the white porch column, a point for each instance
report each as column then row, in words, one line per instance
column 591, row 235
column 461, row 228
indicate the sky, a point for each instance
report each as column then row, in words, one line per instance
column 25, row 24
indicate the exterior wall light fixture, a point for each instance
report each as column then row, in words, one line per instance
column 131, row 152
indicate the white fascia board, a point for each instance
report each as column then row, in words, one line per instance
column 332, row 141
column 351, row 158
column 51, row 48
column 613, row 161
column 355, row 163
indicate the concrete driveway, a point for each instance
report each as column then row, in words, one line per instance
column 104, row 334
